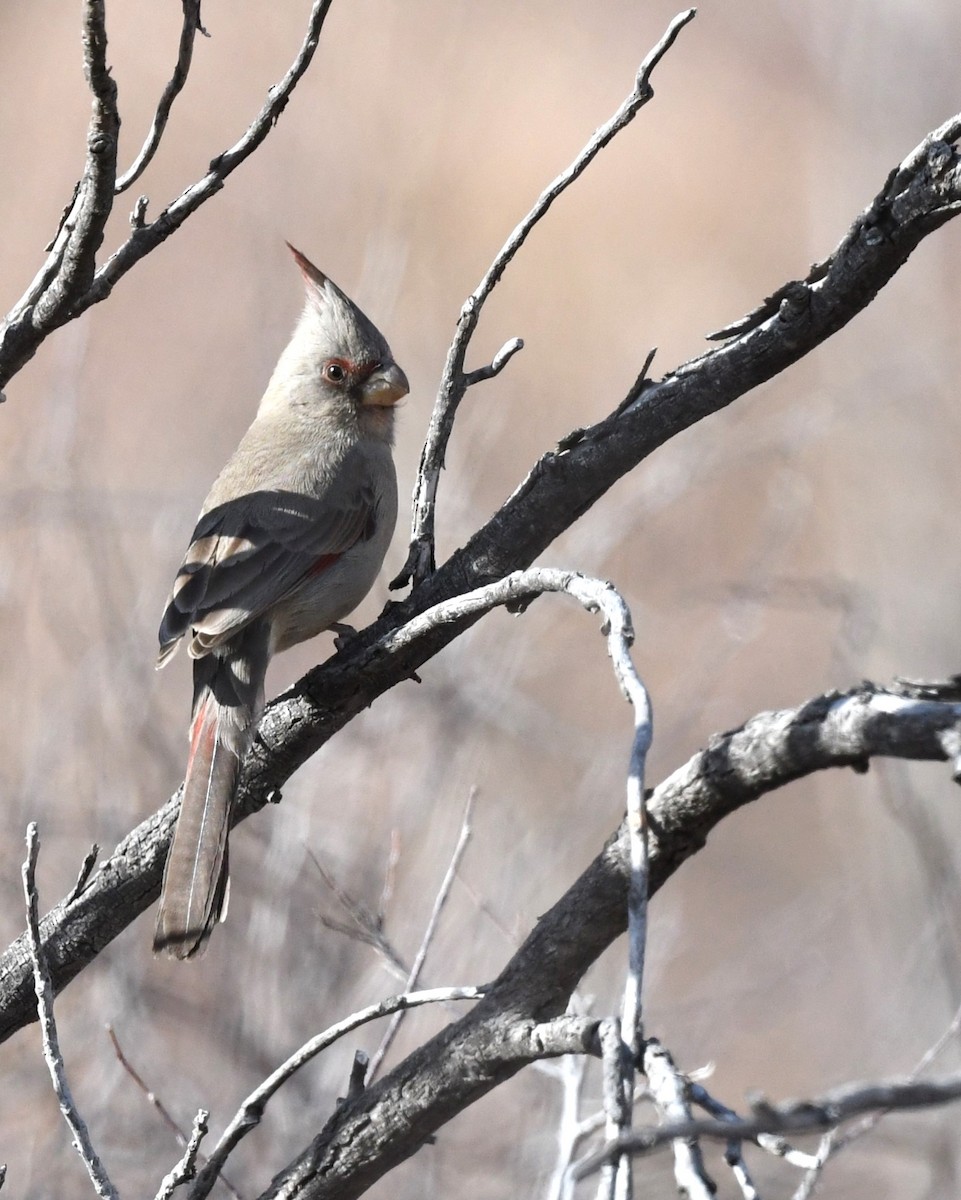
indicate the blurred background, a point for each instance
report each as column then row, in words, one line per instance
column 800, row 541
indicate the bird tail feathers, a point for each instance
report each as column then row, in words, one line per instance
column 195, row 879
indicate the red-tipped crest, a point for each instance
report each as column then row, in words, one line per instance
column 312, row 276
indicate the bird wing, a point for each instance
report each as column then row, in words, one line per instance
column 250, row 552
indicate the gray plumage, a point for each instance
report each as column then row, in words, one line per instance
column 288, row 542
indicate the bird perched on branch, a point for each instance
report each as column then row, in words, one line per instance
column 289, row 541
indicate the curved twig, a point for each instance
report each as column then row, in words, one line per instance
column 250, row 1113
column 454, row 380
column 188, row 33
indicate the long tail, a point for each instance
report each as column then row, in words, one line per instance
column 228, row 696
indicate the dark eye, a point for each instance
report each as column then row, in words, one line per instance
column 335, row 372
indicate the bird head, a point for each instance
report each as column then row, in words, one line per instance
column 352, row 355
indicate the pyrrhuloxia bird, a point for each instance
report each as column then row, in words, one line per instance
column 288, row 542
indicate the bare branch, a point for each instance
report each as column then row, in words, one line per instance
column 68, row 284
column 497, row 364
column 191, row 27
column 795, row 1116
column 670, row 1091
column 358, row 1074
column 89, row 861
column 454, row 381
column 86, row 223
column 251, row 1111
column 438, row 907
column 48, row 1028
column 937, row 146
column 631, row 1025
column 143, row 240
column 362, row 1141
column 558, row 490
column 570, row 1129
column 615, row 1178
column 836, row 1140
column 151, row 1097
column 772, row 1143
column 155, row 1102
column 507, row 1030
column 53, row 296
column 186, row 1169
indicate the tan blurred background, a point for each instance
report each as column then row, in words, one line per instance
column 800, row 541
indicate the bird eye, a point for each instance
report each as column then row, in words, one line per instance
column 335, row 372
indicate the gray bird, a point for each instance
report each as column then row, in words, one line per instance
column 289, row 541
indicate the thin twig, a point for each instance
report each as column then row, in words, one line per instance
column 640, row 383
column 189, row 30
column 454, row 380
column 48, row 1028
column 497, row 363
column 797, row 1116
column 142, row 241
column 358, row 1075
column 249, row 1114
column 62, row 290
column 671, row 1096
column 364, row 926
column 88, row 864
column 734, row 1157
column 154, row 1100
column 769, row 1142
column 439, row 901
column 570, row 1129
column 632, row 1013
column 615, row 1177
column 186, row 1169
column 836, row 1140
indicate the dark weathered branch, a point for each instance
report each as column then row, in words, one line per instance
column 455, row 380
column 389, row 1122
column 501, row 1035
column 390, row 1119
column 939, row 143
column 559, row 489
column 52, row 298
column 251, row 1112
column 68, row 283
